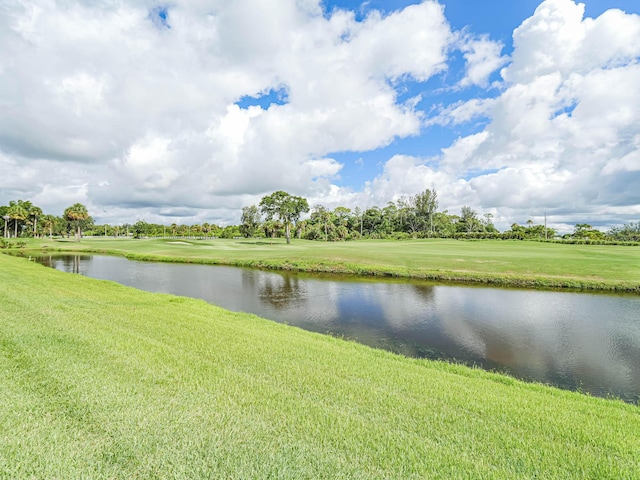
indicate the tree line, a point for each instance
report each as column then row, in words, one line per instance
column 415, row 216
column 280, row 215
column 21, row 219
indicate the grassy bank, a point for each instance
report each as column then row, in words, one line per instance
column 103, row 381
column 507, row 263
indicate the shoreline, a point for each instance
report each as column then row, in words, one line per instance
column 532, row 282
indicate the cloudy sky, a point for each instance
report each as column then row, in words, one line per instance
column 186, row 111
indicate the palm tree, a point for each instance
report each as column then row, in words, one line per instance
column 49, row 221
column 17, row 212
column 35, row 212
column 324, row 218
column 76, row 215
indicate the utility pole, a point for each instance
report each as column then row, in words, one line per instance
column 545, row 226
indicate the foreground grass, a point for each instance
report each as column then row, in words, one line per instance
column 507, row 263
column 103, row 381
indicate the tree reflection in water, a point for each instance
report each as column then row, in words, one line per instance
column 71, row 263
column 280, row 291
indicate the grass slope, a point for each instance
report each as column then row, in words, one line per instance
column 514, row 263
column 103, row 381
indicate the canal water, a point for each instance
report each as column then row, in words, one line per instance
column 576, row 341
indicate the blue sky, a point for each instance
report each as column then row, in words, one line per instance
column 497, row 19
column 187, row 111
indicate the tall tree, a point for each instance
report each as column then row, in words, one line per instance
column 342, row 216
column 356, row 220
column 426, row 204
column 408, row 215
column 141, row 229
column 390, row 218
column 250, row 221
column 196, row 230
column 77, row 217
column 18, row 212
column 372, row 220
column 5, row 217
column 49, row 221
column 285, row 207
column 469, row 221
column 487, row 223
column 35, row 213
column 324, row 219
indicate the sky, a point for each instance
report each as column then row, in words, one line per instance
column 187, row 111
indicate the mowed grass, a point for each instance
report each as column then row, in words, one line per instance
column 515, row 263
column 104, row 381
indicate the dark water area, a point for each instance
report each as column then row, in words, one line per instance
column 575, row 341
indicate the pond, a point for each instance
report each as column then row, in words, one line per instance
column 577, row 341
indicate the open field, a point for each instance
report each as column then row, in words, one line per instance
column 103, row 381
column 514, row 263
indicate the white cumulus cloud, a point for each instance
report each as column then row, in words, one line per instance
column 562, row 136
column 141, row 110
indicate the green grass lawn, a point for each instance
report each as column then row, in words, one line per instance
column 104, row 381
column 516, row 263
